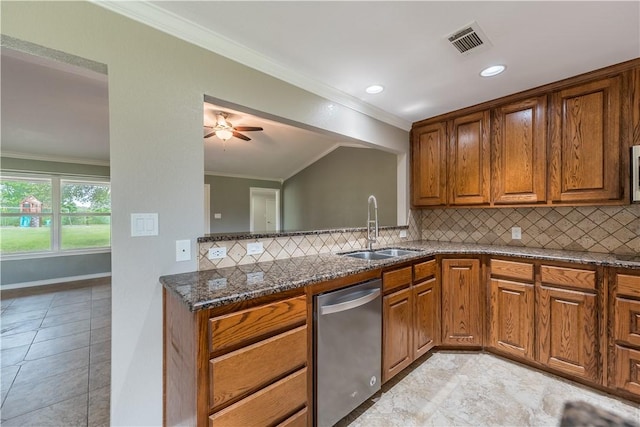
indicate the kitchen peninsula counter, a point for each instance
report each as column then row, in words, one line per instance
column 219, row 287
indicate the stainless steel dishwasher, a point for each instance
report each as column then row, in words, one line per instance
column 348, row 349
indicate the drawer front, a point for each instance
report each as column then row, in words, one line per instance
column 299, row 419
column 628, row 285
column 232, row 330
column 244, row 371
column 396, row 279
column 271, row 405
column 424, row 270
column 512, row 270
column 627, row 321
column 570, row 277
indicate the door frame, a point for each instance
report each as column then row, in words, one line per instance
column 262, row 191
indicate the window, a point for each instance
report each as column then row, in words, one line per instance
column 52, row 214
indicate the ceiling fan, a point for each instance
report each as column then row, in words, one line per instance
column 225, row 130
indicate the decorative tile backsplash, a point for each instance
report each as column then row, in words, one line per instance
column 605, row 229
column 299, row 245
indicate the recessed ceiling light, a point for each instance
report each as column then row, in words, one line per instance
column 494, row 70
column 373, row 89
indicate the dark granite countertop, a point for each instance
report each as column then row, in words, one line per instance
column 217, row 237
column 214, row 288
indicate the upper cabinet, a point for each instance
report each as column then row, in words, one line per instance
column 519, row 152
column 585, row 142
column 429, row 163
column 566, row 143
column 469, row 159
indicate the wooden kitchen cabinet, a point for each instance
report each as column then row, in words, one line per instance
column 568, row 329
column 429, row 165
column 519, row 152
column 426, row 308
column 244, row 364
column 462, row 302
column 410, row 313
column 469, row 157
column 585, row 142
column 625, row 349
column 511, row 308
column 397, row 322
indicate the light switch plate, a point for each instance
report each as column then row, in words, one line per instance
column 217, row 216
column 183, row 250
column 254, row 248
column 516, row 233
column 144, row 224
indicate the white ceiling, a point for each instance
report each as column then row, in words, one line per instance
column 334, row 49
column 52, row 110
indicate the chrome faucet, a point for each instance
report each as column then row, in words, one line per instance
column 370, row 221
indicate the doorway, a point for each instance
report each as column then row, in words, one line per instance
column 264, row 210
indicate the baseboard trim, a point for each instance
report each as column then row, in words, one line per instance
column 53, row 281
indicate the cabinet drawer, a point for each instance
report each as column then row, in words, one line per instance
column 232, row 330
column 396, row 279
column 628, row 285
column 299, row 419
column 571, row 277
column 269, row 406
column 627, row 321
column 248, row 369
column 512, row 269
column 424, row 270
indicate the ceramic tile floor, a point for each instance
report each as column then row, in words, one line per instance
column 56, row 356
column 471, row 389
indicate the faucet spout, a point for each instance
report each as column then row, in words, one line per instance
column 372, row 222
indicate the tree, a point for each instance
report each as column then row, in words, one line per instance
column 13, row 191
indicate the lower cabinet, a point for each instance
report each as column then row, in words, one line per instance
column 462, row 302
column 626, row 333
column 568, row 330
column 511, row 308
column 228, row 368
column 411, row 312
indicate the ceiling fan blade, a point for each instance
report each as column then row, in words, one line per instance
column 247, row 128
column 241, row 136
column 208, row 127
column 210, row 134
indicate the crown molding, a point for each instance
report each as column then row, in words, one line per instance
column 177, row 26
column 235, row 175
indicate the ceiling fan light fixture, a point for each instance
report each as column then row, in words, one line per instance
column 224, row 134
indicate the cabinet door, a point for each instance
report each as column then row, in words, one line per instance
column 585, row 142
column 519, row 152
column 426, row 328
column 511, row 318
column 469, row 158
column 627, row 373
column 568, row 331
column 462, row 315
column 429, row 165
column 397, row 327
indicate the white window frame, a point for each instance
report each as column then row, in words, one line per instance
column 57, row 214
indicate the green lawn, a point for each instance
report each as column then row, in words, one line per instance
column 26, row 239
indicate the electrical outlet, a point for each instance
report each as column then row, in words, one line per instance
column 516, row 233
column 254, row 248
column 403, row 234
column 218, row 253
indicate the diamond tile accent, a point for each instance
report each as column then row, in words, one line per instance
column 586, row 228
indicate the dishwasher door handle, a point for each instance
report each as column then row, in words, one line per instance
column 348, row 305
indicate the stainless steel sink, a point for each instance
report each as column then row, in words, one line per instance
column 380, row 253
column 396, row 252
column 368, row 255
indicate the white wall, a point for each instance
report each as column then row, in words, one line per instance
column 156, row 88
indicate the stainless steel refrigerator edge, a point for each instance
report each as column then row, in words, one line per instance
column 348, row 349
